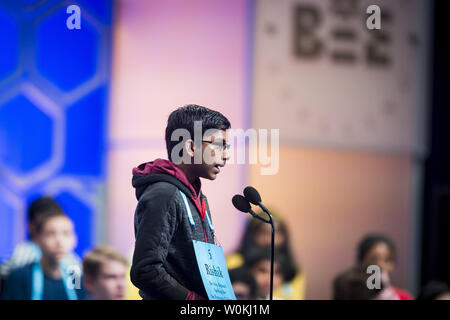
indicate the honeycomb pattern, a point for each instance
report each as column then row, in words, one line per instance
column 53, row 112
column 67, row 57
column 9, row 45
column 80, row 212
column 12, row 210
column 20, row 119
column 6, row 236
column 88, row 143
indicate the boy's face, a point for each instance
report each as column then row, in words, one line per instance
column 110, row 283
column 214, row 155
column 261, row 272
column 57, row 238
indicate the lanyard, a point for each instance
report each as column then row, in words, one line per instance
column 189, row 213
column 37, row 289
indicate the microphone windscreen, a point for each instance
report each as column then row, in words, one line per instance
column 252, row 195
column 240, row 203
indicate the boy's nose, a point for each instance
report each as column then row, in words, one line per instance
column 225, row 156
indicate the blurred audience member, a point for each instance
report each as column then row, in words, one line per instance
column 49, row 278
column 435, row 290
column 29, row 252
column 378, row 249
column 244, row 284
column 351, row 284
column 258, row 263
column 105, row 272
column 258, row 235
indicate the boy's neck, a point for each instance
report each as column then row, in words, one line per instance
column 50, row 267
column 189, row 175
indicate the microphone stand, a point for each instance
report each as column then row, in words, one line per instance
column 272, row 248
column 272, row 244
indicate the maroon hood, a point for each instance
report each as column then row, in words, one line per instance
column 168, row 167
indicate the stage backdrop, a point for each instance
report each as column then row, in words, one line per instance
column 54, row 84
column 348, row 165
column 351, row 106
column 338, row 83
column 168, row 54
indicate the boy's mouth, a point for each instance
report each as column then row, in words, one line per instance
column 217, row 167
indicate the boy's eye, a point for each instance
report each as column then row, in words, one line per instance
column 221, row 145
column 218, row 144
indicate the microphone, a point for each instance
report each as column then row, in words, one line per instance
column 252, row 195
column 242, row 204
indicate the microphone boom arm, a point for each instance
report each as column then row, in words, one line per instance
column 254, row 215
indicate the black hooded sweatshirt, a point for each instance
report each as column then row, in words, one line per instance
column 164, row 264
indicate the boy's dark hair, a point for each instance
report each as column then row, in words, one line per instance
column 352, row 285
column 44, row 217
column 369, row 241
column 244, row 275
column 184, row 117
column 40, row 206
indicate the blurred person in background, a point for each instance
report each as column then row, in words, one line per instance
column 28, row 252
column 435, row 290
column 49, row 278
column 104, row 274
column 378, row 249
column 257, row 235
column 351, row 284
column 258, row 263
column 244, row 284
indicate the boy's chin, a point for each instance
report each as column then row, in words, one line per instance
column 211, row 176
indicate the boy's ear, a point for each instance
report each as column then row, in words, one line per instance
column 189, row 147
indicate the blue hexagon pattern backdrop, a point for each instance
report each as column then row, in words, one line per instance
column 54, row 88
